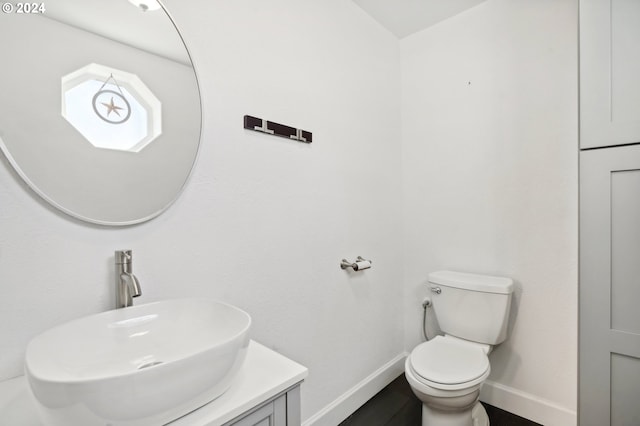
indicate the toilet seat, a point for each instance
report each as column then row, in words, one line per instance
column 446, row 364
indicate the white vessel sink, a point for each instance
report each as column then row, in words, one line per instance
column 142, row 365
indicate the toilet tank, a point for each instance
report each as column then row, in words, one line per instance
column 470, row 306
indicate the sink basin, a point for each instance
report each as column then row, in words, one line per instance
column 141, row 365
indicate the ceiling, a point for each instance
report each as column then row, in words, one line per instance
column 119, row 20
column 154, row 32
column 405, row 17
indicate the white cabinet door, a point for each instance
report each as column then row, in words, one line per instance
column 281, row 410
column 273, row 413
column 609, row 72
column 609, row 335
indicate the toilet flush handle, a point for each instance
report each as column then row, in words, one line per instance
column 436, row 290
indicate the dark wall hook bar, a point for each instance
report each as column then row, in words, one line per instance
column 276, row 129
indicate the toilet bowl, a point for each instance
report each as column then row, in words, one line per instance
column 446, row 376
column 447, row 372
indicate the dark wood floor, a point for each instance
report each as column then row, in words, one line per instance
column 396, row 405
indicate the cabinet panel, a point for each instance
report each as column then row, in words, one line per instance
column 625, row 249
column 294, row 416
column 625, row 375
column 609, row 66
column 261, row 417
column 625, row 60
column 283, row 410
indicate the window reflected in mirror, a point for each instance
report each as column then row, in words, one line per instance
column 111, row 108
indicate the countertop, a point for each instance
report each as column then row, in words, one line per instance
column 263, row 375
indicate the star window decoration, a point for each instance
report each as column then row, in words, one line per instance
column 111, row 108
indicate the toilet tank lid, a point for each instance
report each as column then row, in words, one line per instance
column 474, row 282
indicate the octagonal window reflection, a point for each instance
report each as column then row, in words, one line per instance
column 111, row 108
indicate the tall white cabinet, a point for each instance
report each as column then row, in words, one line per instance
column 609, row 335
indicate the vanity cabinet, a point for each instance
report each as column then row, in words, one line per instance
column 609, row 70
column 266, row 392
column 282, row 410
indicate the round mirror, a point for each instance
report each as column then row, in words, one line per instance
column 100, row 109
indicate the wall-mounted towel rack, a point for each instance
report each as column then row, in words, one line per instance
column 276, row 129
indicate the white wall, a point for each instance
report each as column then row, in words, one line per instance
column 486, row 175
column 489, row 101
column 264, row 222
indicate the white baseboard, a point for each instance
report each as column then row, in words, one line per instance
column 527, row 405
column 355, row 397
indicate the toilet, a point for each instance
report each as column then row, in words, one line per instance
column 446, row 372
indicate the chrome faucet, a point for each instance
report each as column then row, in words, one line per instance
column 127, row 285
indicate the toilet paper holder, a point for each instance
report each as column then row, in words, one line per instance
column 358, row 265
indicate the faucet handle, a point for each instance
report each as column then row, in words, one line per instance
column 123, row 256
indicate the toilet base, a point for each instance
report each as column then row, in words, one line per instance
column 475, row 416
column 479, row 415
